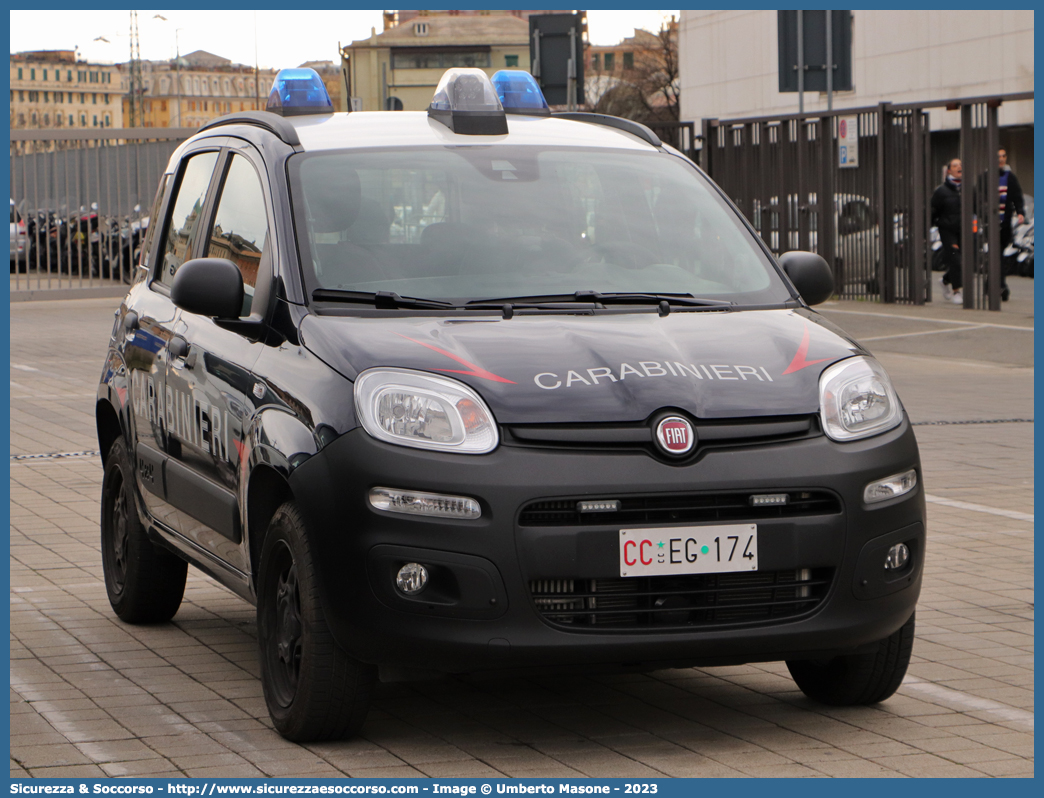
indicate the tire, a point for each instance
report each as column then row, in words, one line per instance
column 145, row 583
column 313, row 688
column 857, row 679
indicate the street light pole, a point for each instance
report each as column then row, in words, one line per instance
column 177, row 70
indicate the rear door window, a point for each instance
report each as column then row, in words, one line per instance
column 184, row 221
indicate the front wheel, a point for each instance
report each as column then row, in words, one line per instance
column 857, row 679
column 313, row 688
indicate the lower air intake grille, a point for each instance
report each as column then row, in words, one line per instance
column 668, row 508
column 680, row 602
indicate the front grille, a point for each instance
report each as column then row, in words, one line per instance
column 694, row 507
column 680, row 602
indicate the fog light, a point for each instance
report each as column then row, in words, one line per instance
column 890, row 487
column 769, row 499
column 431, row 504
column 897, row 557
column 412, row 578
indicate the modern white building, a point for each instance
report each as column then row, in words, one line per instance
column 729, row 67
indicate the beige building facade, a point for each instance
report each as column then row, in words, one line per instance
column 729, row 62
column 211, row 86
column 400, row 68
column 52, row 90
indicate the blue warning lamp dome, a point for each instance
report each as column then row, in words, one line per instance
column 466, row 102
column 297, row 92
column 519, row 93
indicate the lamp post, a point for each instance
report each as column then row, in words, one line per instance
column 177, row 64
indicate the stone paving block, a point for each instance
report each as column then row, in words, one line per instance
column 926, row 766
column 142, row 768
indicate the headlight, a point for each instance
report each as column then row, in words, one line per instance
column 856, row 400
column 413, row 408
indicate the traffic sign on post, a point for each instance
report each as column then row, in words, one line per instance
column 848, row 141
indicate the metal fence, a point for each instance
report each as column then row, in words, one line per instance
column 82, row 199
column 680, row 135
column 870, row 222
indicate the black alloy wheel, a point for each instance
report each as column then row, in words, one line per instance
column 144, row 583
column 313, row 688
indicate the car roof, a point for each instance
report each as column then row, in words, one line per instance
column 371, row 129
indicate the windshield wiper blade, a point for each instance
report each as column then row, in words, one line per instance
column 651, row 299
column 387, row 300
column 599, row 298
column 532, row 301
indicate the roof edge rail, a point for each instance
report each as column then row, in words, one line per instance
column 618, row 122
column 263, row 119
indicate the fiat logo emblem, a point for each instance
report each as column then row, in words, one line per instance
column 675, row 435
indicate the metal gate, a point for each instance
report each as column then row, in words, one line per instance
column 870, row 222
column 82, row 201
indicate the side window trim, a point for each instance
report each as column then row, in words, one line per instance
column 154, row 282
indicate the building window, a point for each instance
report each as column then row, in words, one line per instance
column 71, row 123
column 21, row 96
column 45, row 74
column 106, row 99
column 94, row 98
column 95, row 120
column 628, row 60
column 32, row 76
column 511, row 61
column 427, row 59
column 47, row 97
column 83, row 120
column 594, row 62
column 47, row 120
column 163, row 105
column 108, row 121
column 68, row 79
column 19, row 73
column 610, row 62
column 83, row 97
column 34, row 118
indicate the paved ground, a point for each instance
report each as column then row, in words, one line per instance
column 94, row 697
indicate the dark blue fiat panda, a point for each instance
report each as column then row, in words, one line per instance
column 490, row 388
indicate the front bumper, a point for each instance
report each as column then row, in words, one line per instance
column 480, row 613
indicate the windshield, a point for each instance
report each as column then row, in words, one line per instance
column 474, row 222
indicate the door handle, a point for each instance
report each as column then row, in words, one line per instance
column 177, row 348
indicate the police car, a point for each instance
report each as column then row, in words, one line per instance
column 489, row 388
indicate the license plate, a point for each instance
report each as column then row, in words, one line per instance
column 689, row 550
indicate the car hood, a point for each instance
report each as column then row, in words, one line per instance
column 551, row 368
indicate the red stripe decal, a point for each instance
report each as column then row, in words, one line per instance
column 475, row 371
column 799, row 361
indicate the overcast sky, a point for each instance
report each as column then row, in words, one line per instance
column 284, row 38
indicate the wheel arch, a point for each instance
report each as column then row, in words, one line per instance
column 109, row 424
column 267, row 490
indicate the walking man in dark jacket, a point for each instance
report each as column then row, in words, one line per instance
column 946, row 215
column 1012, row 205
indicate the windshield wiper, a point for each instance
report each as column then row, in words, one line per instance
column 599, row 298
column 625, row 298
column 384, row 300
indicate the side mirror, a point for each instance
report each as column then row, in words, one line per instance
column 810, row 274
column 209, row 287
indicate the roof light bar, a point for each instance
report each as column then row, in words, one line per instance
column 298, row 92
column 519, row 93
column 466, row 102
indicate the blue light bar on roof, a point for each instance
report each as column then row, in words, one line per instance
column 297, row 92
column 519, row 93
